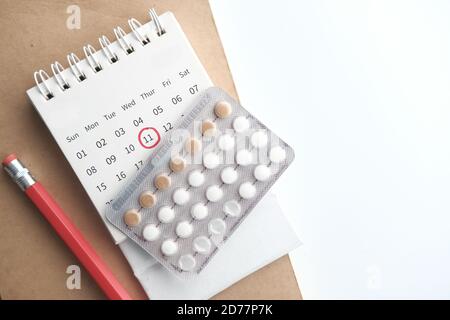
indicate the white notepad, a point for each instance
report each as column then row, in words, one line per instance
column 109, row 123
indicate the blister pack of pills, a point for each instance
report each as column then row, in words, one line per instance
column 203, row 179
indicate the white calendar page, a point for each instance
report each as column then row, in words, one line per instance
column 108, row 124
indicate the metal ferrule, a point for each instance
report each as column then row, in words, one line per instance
column 20, row 174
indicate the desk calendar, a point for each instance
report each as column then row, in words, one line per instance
column 109, row 111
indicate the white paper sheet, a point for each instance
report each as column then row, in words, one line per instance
column 264, row 236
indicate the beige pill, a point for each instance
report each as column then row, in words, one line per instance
column 208, row 128
column 162, row 182
column 132, row 218
column 177, row 164
column 192, row 145
column 147, row 199
column 222, row 109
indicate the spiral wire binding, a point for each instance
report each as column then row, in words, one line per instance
column 120, row 35
column 41, row 77
column 159, row 29
column 105, row 43
column 135, row 25
column 57, row 69
column 42, row 84
column 73, row 63
column 89, row 52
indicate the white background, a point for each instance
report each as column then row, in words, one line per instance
column 361, row 90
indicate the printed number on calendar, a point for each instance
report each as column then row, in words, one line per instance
column 149, row 137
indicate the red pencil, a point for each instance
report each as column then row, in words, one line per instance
column 65, row 229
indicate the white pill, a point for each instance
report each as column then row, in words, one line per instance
column 184, row 229
column 151, row 232
column 187, row 262
column 202, row 245
column 229, row 175
column 232, row 208
column 196, row 178
column 180, row 196
column 211, row 160
column 166, row 214
column 247, row 190
column 259, row 139
column 240, row 124
column 277, row 154
column 214, row 193
column 217, row 226
column 169, row 247
column 199, row 211
column 226, row 142
column 261, row 172
column 244, row 157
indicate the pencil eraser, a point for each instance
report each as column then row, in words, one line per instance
column 9, row 159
